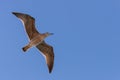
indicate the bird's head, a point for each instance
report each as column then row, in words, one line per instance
column 48, row 34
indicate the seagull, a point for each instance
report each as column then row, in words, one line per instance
column 36, row 39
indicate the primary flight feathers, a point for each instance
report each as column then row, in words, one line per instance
column 36, row 39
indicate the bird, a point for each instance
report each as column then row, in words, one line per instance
column 36, row 39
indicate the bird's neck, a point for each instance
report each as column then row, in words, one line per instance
column 44, row 35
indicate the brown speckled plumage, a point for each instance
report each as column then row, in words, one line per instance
column 33, row 34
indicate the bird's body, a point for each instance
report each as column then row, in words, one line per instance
column 36, row 38
column 35, row 41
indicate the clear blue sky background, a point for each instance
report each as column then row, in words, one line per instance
column 86, row 40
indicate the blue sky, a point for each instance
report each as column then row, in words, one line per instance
column 86, row 40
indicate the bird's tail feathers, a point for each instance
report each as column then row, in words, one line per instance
column 25, row 48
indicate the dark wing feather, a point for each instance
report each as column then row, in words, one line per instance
column 29, row 24
column 48, row 52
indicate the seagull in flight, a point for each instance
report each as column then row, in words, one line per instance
column 36, row 39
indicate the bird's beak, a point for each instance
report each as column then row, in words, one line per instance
column 51, row 33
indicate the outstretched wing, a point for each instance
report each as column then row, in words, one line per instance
column 29, row 24
column 48, row 52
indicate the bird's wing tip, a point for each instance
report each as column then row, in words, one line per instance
column 14, row 12
column 50, row 71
